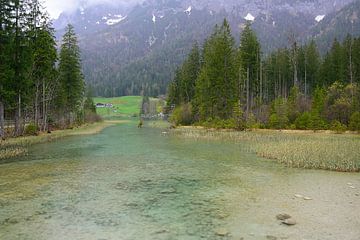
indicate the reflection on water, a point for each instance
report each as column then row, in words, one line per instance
column 129, row 183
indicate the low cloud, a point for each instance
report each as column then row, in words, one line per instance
column 55, row 7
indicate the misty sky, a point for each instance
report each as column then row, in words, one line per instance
column 55, row 7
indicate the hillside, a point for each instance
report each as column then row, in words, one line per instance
column 135, row 50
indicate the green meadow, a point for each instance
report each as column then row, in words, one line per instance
column 122, row 106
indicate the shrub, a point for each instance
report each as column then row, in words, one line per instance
column 338, row 127
column 355, row 122
column 182, row 115
column 91, row 117
column 303, row 122
column 31, row 130
column 316, row 122
column 278, row 122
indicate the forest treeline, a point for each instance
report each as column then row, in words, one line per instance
column 227, row 86
column 39, row 87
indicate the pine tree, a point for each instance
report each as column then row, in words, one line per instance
column 250, row 56
column 70, row 76
column 6, row 72
column 190, row 72
column 22, row 57
column 44, row 73
column 216, row 88
column 312, row 66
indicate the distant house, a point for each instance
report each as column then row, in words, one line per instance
column 100, row 105
column 106, row 105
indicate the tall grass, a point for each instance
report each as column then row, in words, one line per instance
column 298, row 149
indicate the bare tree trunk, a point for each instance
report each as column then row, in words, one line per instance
column 247, row 91
column 18, row 117
column 2, row 121
column 44, row 110
column 305, row 76
column 296, row 81
column 36, row 116
column 351, row 68
column 261, row 83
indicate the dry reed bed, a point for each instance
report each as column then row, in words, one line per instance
column 294, row 149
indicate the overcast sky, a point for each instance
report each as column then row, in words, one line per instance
column 55, row 7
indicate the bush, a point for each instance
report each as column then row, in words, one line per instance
column 278, row 122
column 303, row 122
column 355, row 122
column 218, row 123
column 316, row 122
column 338, row 127
column 91, row 117
column 31, row 130
column 182, row 115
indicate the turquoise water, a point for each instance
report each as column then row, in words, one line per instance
column 130, row 183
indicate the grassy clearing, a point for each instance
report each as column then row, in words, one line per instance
column 294, row 149
column 123, row 106
column 14, row 147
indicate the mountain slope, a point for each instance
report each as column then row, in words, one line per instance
column 337, row 25
column 135, row 50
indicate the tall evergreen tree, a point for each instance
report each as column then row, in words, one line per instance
column 216, row 88
column 190, row 72
column 44, row 73
column 312, row 65
column 6, row 72
column 70, row 75
column 250, row 56
column 21, row 52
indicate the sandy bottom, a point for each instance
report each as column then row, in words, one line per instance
column 332, row 213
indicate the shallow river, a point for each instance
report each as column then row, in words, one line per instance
column 129, row 183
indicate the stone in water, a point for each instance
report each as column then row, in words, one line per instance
column 289, row 222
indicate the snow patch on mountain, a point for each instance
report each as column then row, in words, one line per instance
column 188, row 10
column 249, row 17
column 152, row 40
column 154, row 18
column 116, row 20
column 319, row 18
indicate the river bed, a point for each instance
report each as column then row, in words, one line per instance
column 130, row 183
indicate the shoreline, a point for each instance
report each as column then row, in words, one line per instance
column 324, row 150
column 268, row 130
column 15, row 147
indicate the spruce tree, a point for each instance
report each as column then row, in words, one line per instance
column 216, row 88
column 190, row 72
column 6, row 71
column 70, row 76
column 44, row 73
column 250, row 58
column 312, row 66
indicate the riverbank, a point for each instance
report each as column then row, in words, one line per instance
column 300, row 149
column 14, row 147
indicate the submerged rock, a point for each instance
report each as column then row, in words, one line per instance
column 221, row 232
column 168, row 191
column 161, row 231
column 269, row 237
column 282, row 216
column 289, row 222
